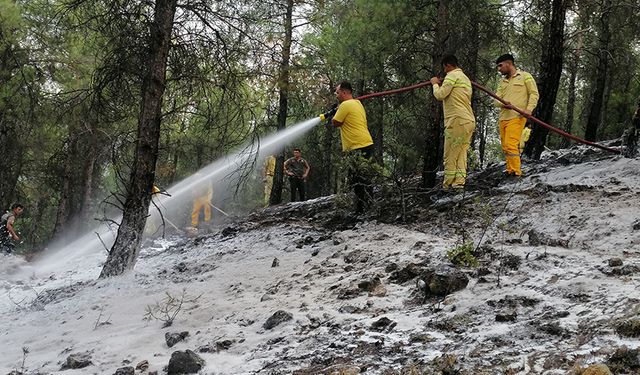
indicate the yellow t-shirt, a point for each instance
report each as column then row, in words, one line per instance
column 521, row 91
column 455, row 94
column 353, row 132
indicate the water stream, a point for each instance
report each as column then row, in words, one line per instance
column 223, row 174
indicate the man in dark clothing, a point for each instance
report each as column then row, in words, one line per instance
column 297, row 169
column 7, row 232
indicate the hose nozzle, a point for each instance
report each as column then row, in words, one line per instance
column 329, row 114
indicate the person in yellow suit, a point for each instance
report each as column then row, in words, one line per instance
column 459, row 121
column 519, row 90
column 351, row 118
column 202, row 195
column 268, row 170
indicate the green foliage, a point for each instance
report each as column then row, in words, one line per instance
column 463, row 255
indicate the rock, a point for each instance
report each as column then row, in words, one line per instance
column 374, row 287
column 207, row 349
column 224, row 344
column 315, row 252
column 275, row 263
column 625, row 361
column 175, row 337
column 615, row 262
column 187, row 362
column 536, row 239
column 509, row 316
column 636, row 225
column 129, row 370
column 408, row 272
column 598, row 369
column 626, row 270
column 356, row 256
column 266, row 297
column 444, row 280
column 229, row 231
column 420, row 337
column 76, row 361
column 511, row 261
column 143, row 365
column 552, row 328
column 181, row 267
column 629, row 328
column 342, row 370
column 390, row 267
column 276, row 319
column 383, row 324
column 348, row 309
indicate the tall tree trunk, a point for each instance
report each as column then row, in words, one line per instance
column 630, row 136
column 124, row 253
column 376, row 126
column 478, row 139
column 283, row 86
column 10, row 153
column 571, row 95
column 600, row 77
column 433, row 129
column 550, row 73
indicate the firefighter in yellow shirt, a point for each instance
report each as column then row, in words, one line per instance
column 455, row 94
column 351, row 118
column 269, row 168
column 519, row 90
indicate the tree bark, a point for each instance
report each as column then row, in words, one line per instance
column 124, row 253
column 571, row 95
column 600, row 77
column 433, row 133
column 550, row 73
column 283, row 86
column 630, row 137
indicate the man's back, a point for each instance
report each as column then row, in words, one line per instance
column 354, row 132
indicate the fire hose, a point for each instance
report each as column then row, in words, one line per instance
column 562, row 133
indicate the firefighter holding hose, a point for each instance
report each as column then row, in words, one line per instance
column 459, row 122
column 518, row 89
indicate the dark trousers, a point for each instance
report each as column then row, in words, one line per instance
column 361, row 180
column 7, row 247
column 297, row 185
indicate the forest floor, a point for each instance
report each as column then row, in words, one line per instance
column 551, row 285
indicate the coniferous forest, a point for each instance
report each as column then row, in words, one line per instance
column 100, row 100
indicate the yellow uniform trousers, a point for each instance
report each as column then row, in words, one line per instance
column 510, row 133
column 199, row 204
column 268, row 185
column 457, row 138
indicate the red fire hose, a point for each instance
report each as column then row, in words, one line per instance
column 482, row 88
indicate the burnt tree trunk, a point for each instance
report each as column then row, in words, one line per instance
column 550, row 73
column 571, row 98
column 433, row 129
column 600, row 77
column 630, row 137
column 124, row 253
column 283, row 87
column 10, row 153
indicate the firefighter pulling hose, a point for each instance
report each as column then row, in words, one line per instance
column 331, row 112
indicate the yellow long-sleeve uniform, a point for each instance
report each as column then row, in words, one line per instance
column 522, row 92
column 455, row 94
column 201, row 201
column 269, row 170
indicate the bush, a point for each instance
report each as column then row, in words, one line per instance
column 462, row 255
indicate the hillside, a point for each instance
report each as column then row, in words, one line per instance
column 556, row 287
